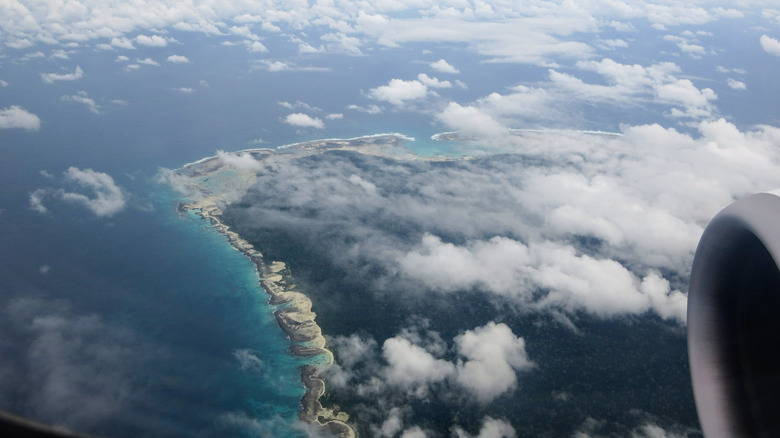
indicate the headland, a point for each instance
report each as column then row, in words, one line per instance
column 214, row 182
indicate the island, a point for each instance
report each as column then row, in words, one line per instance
column 213, row 183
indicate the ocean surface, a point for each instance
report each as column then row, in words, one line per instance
column 205, row 357
column 161, row 326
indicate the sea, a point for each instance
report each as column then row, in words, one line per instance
column 145, row 322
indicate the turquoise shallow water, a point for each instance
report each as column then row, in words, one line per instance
column 262, row 387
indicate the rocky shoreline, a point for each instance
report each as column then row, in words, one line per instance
column 211, row 183
column 296, row 319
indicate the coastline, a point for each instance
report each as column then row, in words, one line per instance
column 294, row 317
column 210, row 183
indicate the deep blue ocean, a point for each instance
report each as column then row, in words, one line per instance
column 161, row 326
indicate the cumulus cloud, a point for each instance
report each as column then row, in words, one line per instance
column 493, row 356
column 433, row 82
column 304, row 121
column 151, row 40
column 82, row 98
column 36, row 201
column 50, row 78
column 770, row 45
column 574, row 282
column 399, row 91
column 242, row 161
column 565, row 100
column 471, row 121
column 107, row 199
column 491, row 428
column 687, row 46
column 444, row 67
column 178, row 59
column 256, row 47
column 735, row 84
column 148, row 61
column 104, row 198
column 15, row 116
column 489, row 357
column 412, row 367
column 122, row 43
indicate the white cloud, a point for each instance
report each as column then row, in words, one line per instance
column 277, row 66
column 561, row 101
column 444, row 67
column 256, row 47
column 412, row 367
column 371, row 109
column 82, row 98
column 770, row 45
column 15, row 116
column 298, row 105
column 507, row 267
column 178, row 59
column 433, row 82
column 334, row 116
column 148, row 61
column 304, row 121
column 104, row 200
column 493, row 356
column 184, row 90
column 3, row 83
column 52, row 77
column 491, row 428
column 107, row 199
column 735, row 84
column 399, row 91
column 414, row 432
column 650, row 430
column 36, row 201
column 612, row 44
column 122, row 43
column 242, row 161
column 151, row 40
column 728, row 13
column 121, row 58
column 471, row 121
column 685, row 45
column 22, row 43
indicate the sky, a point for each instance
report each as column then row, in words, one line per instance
column 607, row 134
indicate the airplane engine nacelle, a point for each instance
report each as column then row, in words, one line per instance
column 734, row 321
